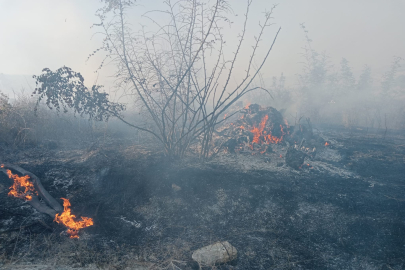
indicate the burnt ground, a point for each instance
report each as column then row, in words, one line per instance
column 346, row 210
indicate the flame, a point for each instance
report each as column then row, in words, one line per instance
column 257, row 132
column 268, row 138
column 22, row 187
column 247, row 106
column 326, row 143
column 67, row 219
column 225, row 115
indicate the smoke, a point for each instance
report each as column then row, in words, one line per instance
column 330, row 93
column 347, row 75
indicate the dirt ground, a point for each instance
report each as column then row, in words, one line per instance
column 345, row 209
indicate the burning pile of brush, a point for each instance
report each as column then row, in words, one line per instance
column 255, row 130
column 28, row 187
column 264, row 131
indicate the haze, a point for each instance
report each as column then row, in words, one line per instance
column 45, row 33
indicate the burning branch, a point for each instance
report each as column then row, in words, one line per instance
column 29, row 194
column 67, row 219
column 28, row 187
column 39, row 188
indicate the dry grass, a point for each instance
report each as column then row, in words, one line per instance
column 21, row 126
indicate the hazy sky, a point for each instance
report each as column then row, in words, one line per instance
column 53, row 33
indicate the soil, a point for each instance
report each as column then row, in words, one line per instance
column 344, row 210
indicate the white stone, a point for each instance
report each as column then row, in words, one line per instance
column 221, row 252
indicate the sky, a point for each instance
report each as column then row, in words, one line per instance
column 48, row 33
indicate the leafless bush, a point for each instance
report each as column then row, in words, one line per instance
column 180, row 74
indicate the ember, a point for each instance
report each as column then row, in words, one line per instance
column 22, row 187
column 67, row 219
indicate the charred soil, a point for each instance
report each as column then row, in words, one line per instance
column 345, row 210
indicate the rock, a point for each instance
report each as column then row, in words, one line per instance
column 218, row 253
column 176, row 187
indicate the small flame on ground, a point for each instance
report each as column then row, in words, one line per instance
column 22, row 187
column 247, row 106
column 67, row 219
column 326, row 143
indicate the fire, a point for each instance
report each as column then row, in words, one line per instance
column 22, row 187
column 247, row 106
column 69, row 220
column 268, row 138
column 326, row 143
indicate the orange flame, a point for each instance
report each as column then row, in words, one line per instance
column 259, row 131
column 67, row 219
column 22, row 187
column 247, row 106
column 326, row 143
